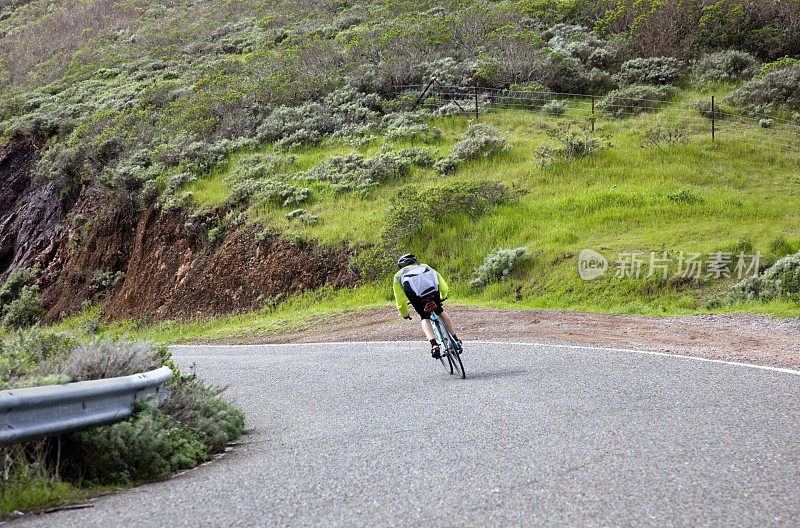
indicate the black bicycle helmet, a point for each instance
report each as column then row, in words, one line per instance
column 406, row 260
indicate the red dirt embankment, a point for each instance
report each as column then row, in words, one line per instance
column 172, row 274
column 163, row 268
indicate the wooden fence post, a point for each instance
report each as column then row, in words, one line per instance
column 713, row 119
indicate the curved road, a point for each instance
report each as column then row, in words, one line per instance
column 375, row 434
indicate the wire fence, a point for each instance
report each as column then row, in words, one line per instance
column 703, row 117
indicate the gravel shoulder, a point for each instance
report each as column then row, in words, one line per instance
column 734, row 337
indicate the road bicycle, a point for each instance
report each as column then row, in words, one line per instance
column 450, row 349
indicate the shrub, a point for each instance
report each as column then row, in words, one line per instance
column 726, row 66
column 105, row 358
column 418, row 132
column 481, row 141
column 202, row 409
column 566, row 74
column 651, row 70
column 105, row 280
column 302, row 216
column 498, row 265
column 24, row 311
column 634, row 100
column 780, row 64
column 307, row 124
column 574, row 143
column 413, row 209
column 778, row 89
column 782, row 279
column 268, row 192
column 354, row 172
column 703, row 106
column 33, row 356
column 13, row 286
column 147, row 446
column 555, row 107
column 660, row 135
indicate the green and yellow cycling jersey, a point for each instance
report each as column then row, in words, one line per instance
column 400, row 295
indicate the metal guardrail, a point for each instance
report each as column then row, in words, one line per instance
column 35, row 412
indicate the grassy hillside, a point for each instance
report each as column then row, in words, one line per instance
column 288, row 117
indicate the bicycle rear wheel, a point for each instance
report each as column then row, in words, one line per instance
column 440, row 335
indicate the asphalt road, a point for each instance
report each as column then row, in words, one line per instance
column 378, row 435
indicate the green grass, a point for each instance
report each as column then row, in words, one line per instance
column 615, row 200
column 41, row 494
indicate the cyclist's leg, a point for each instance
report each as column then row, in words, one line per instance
column 449, row 322
column 427, row 327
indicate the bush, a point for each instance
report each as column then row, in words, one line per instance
column 33, row 356
column 355, row 173
column 307, row 124
column 652, row 70
column 780, row 64
column 703, row 106
column 498, row 265
column 409, row 126
column 105, row 358
column 481, row 141
column 413, row 209
column 778, row 89
column 202, row 410
column 24, row 311
column 20, row 303
column 634, row 100
column 726, row 66
column 574, row 143
column 147, row 446
column 268, row 192
column 782, row 279
column 302, row 216
column 555, row 107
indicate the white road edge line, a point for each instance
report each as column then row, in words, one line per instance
column 783, row 370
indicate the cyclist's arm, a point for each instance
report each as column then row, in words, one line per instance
column 400, row 298
column 443, row 287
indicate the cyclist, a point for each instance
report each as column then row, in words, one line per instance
column 420, row 284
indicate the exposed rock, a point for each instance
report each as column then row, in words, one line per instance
column 32, row 211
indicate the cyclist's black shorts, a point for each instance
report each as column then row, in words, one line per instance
column 419, row 302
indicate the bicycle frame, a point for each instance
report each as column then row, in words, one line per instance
column 439, row 336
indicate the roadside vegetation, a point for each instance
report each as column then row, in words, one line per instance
column 191, row 426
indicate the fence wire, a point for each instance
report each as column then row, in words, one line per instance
column 754, row 130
